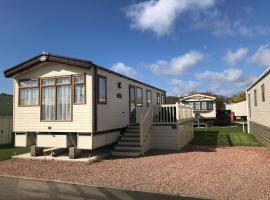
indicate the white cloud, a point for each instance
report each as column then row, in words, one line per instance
column 233, row 57
column 181, row 88
column 159, row 16
column 123, row 69
column 232, row 77
column 261, row 56
column 177, row 66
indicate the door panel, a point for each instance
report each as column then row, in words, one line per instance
column 132, row 104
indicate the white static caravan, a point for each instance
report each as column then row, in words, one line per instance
column 204, row 106
column 258, row 106
column 239, row 109
column 62, row 102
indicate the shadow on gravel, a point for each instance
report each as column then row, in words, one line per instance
column 19, row 188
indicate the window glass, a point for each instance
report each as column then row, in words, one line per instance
column 56, row 99
column 263, row 92
column 162, row 99
column 197, row 105
column 63, row 80
column 79, row 89
column 63, row 103
column 209, row 105
column 255, row 97
column 29, row 83
column 139, row 97
column 158, row 98
column 148, row 97
column 102, row 89
column 46, row 82
column 204, row 105
column 79, row 79
column 28, row 93
column 48, row 103
column 191, row 104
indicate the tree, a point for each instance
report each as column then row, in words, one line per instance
column 172, row 99
column 238, row 97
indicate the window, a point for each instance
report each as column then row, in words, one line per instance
column 263, row 93
column 209, row 105
column 139, row 97
column 158, row 98
column 56, row 99
column 249, row 105
column 148, row 98
column 79, row 89
column 28, row 93
column 255, row 97
column 102, row 89
column 204, row 105
column 191, row 104
column 197, row 105
column 162, row 99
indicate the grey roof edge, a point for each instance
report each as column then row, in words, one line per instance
column 262, row 76
column 84, row 63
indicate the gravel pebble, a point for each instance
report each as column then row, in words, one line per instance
column 195, row 171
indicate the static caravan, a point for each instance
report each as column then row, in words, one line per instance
column 204, row 106
column 258, row 106
column 238, row 109
column 62, row 102
column 5, row 118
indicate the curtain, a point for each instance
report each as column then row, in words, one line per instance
column 79, row 93
column 29, row 96
column 48, row 103
column 63, row 103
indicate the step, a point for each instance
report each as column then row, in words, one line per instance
column 132, row 134
column 130, row 138
column 128, row 148
column 133, row 127
column 126, row 153
column 132, row 130
column 129, row 143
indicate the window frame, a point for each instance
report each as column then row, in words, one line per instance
column 57, row 85
column 249, row 104
column 19, row 90
column 148, row 104
column 255, row 98
column 263, row 92
column 106, row 94
column 162, row 99
column 137, row 97
column 73, row 89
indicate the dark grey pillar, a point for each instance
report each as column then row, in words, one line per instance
column 74, row 152
column 36, row 151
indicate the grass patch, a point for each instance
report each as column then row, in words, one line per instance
column 230, row 136
column 7, row 151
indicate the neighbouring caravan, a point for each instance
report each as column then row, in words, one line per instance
column 238, row 109
column 258, row 106
column 204, row 107
column 62, row 102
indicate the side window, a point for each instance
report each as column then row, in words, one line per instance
column 162, row 98
column 28, row 93
column 204, row 105
column 102, row 89
column 255, row 97
column 263, row 93
column 79, row 89
column 148, row 98
column 249, row 105
column 139, row 97
column 158, row 98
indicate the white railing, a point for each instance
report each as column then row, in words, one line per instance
column 146, row 121
column 171, row 113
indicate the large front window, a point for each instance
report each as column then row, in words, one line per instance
column 28, row 93
column 56, row 99
column 139, row 97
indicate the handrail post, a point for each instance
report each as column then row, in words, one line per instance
column 177, row 112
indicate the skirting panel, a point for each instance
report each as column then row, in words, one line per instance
column 262, row 133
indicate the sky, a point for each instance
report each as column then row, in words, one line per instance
column 177, row 45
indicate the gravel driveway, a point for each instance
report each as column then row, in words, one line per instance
column 197, row 171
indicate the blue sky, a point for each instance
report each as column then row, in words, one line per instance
column 178, row 45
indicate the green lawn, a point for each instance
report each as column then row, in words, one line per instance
column 6, row 151
column 230, row 136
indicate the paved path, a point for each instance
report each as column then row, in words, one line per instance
column 19, row 188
